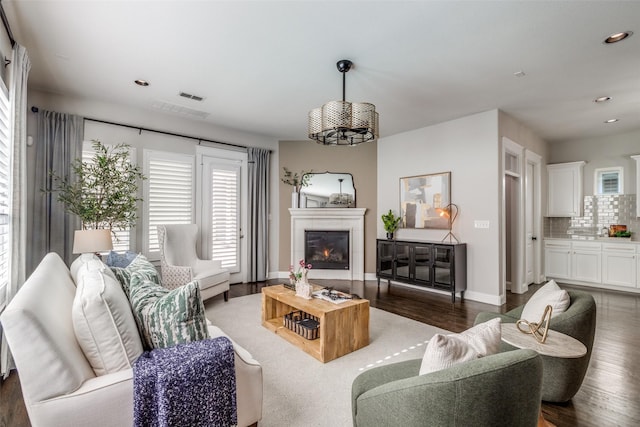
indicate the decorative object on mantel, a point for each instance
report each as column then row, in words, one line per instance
column 390, row 222
column 299, row 279
column 420, row 198
column 451, row 213
column 297, row 181
column 342, row 122
column 538, row 330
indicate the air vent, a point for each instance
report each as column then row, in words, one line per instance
column 179, row 109
column 190, row 96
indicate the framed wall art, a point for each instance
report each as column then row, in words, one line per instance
column 422, row 199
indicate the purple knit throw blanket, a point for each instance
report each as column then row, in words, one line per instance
column 190, row 384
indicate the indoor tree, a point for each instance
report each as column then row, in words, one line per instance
column 102, row 192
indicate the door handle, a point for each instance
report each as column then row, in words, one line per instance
column 534, row 238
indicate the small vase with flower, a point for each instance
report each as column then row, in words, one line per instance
column 298, row 278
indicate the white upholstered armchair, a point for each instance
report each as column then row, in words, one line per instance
column 180, row 263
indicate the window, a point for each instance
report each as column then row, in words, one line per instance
column 168, row 195
column 124, row 239
column 5, row 193
column 609, row 181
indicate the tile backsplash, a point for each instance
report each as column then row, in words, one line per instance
column 599, row 212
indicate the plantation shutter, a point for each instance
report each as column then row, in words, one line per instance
column 5, row 185
column 225, row 214
column 122, row 240
column 169, row 198
column 610, row 182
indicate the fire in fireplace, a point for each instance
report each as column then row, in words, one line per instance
column 327, row 250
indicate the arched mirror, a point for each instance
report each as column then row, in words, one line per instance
column 329, row 190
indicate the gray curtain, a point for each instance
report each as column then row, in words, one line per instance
column 20, row 66
column 258, row 213
column 58, row 141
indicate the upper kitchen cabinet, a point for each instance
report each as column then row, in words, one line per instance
column 565, row 189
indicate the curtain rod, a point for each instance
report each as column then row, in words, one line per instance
column 7, row 27
column 140, row 129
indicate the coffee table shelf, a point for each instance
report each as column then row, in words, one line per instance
column 343, row 327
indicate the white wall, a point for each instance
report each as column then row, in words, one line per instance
column 153, row 120
column 600, row 152
column 469, row 149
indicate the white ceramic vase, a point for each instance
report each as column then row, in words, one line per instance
column 295, row 199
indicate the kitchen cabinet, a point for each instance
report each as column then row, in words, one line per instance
column 435, row 265
column 605, row 264
column 557, row 259
column 586, row 261
column 619, row 265
column 564, row 189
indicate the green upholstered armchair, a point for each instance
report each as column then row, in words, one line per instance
column 562, row 378
column 498, row 390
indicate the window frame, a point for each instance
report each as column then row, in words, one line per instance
column 597, row 180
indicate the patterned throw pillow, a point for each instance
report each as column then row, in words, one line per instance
column 166, row 318
column 114, row 259
column 139, row 265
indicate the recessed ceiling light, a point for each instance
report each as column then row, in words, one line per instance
column 602, row 99
column 140, row 82
column 611, row 121
column 615, row 38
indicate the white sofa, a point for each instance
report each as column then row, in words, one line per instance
column 58, row 382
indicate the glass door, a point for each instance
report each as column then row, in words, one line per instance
column 422, row 264
column 403, row 255
column 385, row 259
column 442, row 265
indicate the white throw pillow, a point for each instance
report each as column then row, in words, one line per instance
column 104, row 324
column 444, row 351
column 550, row 294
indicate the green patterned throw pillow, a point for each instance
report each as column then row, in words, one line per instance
column 139, row 265
column 166, row 318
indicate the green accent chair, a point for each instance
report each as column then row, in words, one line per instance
column 561, row 378
column 498, row 390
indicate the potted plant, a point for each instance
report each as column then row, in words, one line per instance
column 391, row 223
column 103, row 192
column 297, row 181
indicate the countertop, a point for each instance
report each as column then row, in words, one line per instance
column 633, row 239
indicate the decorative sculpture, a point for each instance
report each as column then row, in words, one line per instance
column 538, row 330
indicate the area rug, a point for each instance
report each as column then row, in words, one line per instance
column 300, row 391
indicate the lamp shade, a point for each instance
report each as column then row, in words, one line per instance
column 92, row 241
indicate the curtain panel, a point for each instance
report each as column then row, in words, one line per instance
column 258, row 213
column 58, row 142
column 20, row 67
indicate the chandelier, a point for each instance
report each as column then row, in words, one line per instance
column 341, row 122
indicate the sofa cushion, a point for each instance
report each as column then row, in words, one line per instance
column 444, row 351
column 550, row 294
column 139, row 265
column 122, row 260
column 166, row 318
column 79, row 262
column 103, row 322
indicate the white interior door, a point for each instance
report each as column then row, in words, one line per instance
column 530, row 237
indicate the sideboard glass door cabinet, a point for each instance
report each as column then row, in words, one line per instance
column 435, row 265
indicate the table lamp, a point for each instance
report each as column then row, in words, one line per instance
column 89, row 242
column 451, row 212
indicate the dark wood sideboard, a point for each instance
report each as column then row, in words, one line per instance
column 434, row 265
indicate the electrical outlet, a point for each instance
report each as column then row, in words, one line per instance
column 481, row 224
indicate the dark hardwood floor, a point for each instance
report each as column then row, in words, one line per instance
column 610, row 393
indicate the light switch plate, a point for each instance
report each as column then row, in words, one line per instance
column 481, row 224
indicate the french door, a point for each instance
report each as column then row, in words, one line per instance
column 222, row 208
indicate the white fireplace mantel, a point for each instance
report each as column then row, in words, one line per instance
column 347, row 219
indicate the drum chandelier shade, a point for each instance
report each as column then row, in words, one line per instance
column 342, row 122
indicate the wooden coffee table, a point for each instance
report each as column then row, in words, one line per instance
column 344, row 327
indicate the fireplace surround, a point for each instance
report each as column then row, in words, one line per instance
column 350, row 220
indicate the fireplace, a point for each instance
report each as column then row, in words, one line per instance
column 349, row 220
column 327, row 249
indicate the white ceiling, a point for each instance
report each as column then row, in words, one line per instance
column 262, row 65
